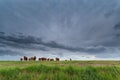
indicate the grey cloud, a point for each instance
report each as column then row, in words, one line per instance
column 117, row 26
column 10, row 52
column 23, row 42
column 117, row 30
column 30, row 41
column 73, row 25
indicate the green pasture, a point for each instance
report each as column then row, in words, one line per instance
column 61, row 70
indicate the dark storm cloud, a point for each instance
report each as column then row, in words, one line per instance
column 20, row 41
column 9, row 52
column 24, row 42
column 117, row 30
column 117, row 26
column 91, row 26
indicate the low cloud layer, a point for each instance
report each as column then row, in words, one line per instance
column 30, row 42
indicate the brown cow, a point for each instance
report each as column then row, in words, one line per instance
column 52, row 59
column 25, row 58
column 32, row 58
column 42, row 59
column 57, row 59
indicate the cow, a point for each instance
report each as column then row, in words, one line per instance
column 57, row 59
column 21, row 59
column 29, row 59
column 42, row 59
column 70, row 59
column 51, row 59
column 39, row 59
column 25, row 58
column 35, row 58
column 32, row 58
column 48, row 59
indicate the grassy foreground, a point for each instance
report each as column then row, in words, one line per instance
column 70, row 70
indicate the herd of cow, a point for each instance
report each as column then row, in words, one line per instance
column 40, row 59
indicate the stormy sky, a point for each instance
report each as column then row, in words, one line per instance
column 77, row 29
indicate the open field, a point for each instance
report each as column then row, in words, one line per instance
column 62, row 70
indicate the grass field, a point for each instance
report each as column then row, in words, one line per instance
column 62, row 70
